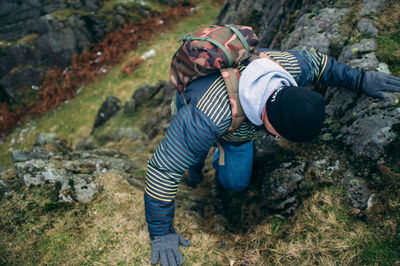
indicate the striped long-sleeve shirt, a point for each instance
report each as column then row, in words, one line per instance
column 206, row 118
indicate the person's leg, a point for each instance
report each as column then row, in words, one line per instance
column 235, row 174
column 195, row 176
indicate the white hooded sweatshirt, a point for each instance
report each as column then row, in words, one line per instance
column 256, row 84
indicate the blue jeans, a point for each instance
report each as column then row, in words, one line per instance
column 235, row 174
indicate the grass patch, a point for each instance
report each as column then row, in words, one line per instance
column 28, row 38
column 381, row 252
column 389, row 37
column 349, row 25
column 322, row 232
column 64, row 14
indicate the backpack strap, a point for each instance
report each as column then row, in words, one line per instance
column 188, row 37
column 240, row 36
column 231, row 78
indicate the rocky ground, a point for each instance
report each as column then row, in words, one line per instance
column 355, row 141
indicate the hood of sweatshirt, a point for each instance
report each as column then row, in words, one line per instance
column 256, row 84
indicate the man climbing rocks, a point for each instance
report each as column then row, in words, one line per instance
column 274, row 101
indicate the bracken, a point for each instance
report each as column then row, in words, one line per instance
column 59, row 85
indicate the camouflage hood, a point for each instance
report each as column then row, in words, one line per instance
column 257, row 82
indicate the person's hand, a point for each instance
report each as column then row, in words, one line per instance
column 165, row 248
column 375, row 83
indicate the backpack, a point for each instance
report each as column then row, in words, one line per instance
column 213, row 49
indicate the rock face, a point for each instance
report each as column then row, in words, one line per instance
column 38, row 35
column 320, row 32
column 52, row 161
column 33, row 34
column 268, row 18
column 367, row 127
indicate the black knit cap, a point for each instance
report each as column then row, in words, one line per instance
column 296, row 113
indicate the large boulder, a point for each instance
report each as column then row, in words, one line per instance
column 321, row 32
column 270, row 19
column 73, row 171
column 21, row 77
column 57, row 47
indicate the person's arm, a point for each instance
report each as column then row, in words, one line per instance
column 190, row 134
column 328, row 71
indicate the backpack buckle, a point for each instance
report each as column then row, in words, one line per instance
column 186, row 37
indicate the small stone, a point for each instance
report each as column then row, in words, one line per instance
column 84, row 190
column 384, row 68
column 108, row 109
column 357, row 190
column 21, row 156
column 88, row 143
column 129, row 133
column 146, row 92
column 65, row 198
column 368, row 62
column 354, row 51
column 130, row 106
column 327, row 137
column 372, row 6
column 366, row 27
column 45, row 138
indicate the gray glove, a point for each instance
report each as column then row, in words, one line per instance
column 375, row 83
column 165, row 248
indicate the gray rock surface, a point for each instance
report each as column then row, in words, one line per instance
column 88, row 143
column 372, row 132
column 45, row 138
column 351, row 52
column 130, row 106
column 21, row 77
column 372, row 6
column 146, row 92
column 367, row 27
column 364, row 124
column 57, row 47
column 357, row 191
column 367, row 62
column 76, row 170
column 279, row 187
column 19, row 54
column 320, row 32
column 39, row 35
column 270, row 19
column 21, row 156
column 128, row 133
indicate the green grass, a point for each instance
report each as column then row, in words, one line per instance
column 389, row 36
column 382, row 252
column 389, row 50
column 64, row 14
column 73, row 120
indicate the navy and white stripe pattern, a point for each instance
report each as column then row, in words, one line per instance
column 159, row 216
column 190, row 134
column 207, row 118
column 339, row 74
